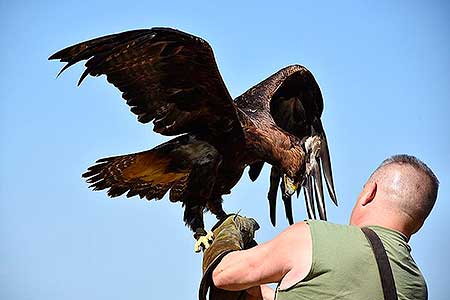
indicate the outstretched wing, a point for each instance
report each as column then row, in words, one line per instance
column 293, row 99
column 165, row 75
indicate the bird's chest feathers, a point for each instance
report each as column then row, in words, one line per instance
column 275, row 146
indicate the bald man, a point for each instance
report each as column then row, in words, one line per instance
column 321, row 260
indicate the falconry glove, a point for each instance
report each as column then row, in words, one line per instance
column 231, row 234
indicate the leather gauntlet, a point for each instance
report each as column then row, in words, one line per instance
column 232, row 234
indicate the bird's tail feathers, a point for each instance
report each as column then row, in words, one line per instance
column 149, row 174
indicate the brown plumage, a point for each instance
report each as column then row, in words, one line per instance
column 171, row 78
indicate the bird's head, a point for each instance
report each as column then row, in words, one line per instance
column 294, row 177
column 290, row 185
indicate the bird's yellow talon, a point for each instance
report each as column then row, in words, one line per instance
column 203, row 242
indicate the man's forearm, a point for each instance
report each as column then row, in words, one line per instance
column 244, row 269
column 235, row 272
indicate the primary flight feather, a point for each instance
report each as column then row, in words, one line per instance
column 171, row 78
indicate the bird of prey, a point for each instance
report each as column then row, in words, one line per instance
column 171, row 78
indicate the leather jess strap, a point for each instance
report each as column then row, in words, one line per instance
column 387, row 278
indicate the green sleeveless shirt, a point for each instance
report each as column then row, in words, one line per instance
column 344, row 267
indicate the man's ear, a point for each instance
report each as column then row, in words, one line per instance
column 370, row 190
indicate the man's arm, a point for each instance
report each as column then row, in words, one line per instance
column 287, row 257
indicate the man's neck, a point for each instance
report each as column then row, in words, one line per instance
column 387, row 222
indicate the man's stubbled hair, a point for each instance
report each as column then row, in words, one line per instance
column 412, row 161
column 417, row 164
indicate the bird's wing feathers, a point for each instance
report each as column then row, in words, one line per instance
column 292, row 81
column 275, row 177
column 165, row 75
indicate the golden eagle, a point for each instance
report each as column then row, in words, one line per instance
column 171, row 77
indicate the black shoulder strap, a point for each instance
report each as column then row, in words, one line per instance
column 387, row 279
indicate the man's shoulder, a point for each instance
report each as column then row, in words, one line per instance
column 329, row 226
column 332, row 236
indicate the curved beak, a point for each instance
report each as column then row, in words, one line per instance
column 290, row 186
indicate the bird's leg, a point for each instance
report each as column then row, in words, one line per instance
column 193, row 216
column 204, row 239
column 215, row 207
column 201, row 183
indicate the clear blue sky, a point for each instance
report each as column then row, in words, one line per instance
column 384, row 70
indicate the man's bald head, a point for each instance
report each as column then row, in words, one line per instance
column 408, row 183
column 401, row 193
